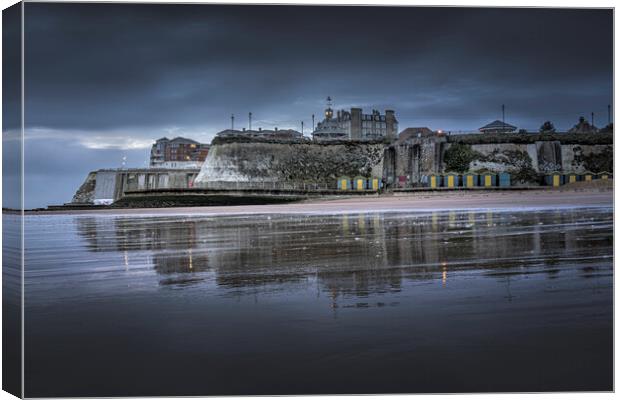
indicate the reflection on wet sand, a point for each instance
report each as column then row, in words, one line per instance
column 310, row 304
column 355, row 254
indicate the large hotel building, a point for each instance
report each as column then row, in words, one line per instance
column 355, row 125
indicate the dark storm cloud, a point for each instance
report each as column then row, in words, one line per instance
column 99, row 66
column 11, row 107
column 11, row 67
column 120, row 75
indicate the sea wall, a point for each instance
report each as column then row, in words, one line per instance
column 410, row 159
column 406, row 161
column 247, row 163
column 286, row 161
column 105, row 186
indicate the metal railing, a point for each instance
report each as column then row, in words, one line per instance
column 258, row 185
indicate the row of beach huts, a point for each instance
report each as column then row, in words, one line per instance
column 468, row 180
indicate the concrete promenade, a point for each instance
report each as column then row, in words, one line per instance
column 578, row 196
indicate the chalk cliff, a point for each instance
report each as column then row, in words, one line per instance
column 232, row 160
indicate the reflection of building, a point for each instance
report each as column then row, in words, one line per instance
column 349, row 255
column 498, row 126
column 178, row 153
column 354, row 125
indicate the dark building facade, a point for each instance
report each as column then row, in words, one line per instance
column 355, row 125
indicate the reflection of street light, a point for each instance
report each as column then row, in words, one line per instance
column 444, row 274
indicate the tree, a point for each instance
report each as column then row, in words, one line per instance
column 458, row 156
column 547, row 127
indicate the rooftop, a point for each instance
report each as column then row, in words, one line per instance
column 498, row 125
column 178, row 139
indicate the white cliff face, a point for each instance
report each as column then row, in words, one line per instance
column 221, row 166
column 290, row 162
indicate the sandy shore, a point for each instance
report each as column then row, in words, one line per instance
column 420, row 201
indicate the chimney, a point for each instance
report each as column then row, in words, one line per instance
column 356, row 123
column 391, row 124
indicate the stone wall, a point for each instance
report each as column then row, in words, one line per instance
column 412, row 158
column 316, row 162
column 408, row 161
column 581, row 158
column 543, row 157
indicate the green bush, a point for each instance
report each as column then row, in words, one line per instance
column 601, row 162
column 458, row 157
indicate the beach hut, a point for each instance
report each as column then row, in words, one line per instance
column 504, row 179
column 603, row 175
column 451, row 180
column 554, row 179
column 470, row 180
column 434, row 181
column 359, row 183
column 587, row 176
column 373, row 184
column 570, row 178
column 488, row 180
column 344, row 183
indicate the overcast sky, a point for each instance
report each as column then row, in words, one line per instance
column 106, row 80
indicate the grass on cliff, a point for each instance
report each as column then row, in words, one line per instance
column 527, row 138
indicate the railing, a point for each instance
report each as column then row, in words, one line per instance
column 257, row 185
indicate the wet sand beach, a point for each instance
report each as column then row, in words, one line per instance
column 496, row 298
